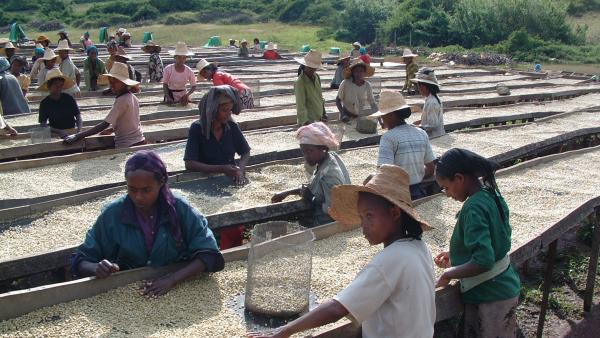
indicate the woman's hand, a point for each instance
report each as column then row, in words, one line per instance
column 443, row 281
column 417, row 123
column 158, row 287
column 185, row 99
column 443, row 260
column 105, row 269
column 240, row 178
column 11, row 131
column 71, row 139
column 279, row 197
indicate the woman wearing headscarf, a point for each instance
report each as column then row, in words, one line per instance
column 210, row 72
column 317, row 143
column 150, row 226
column 93, row 67
column 214, row 140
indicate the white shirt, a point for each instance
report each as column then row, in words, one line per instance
column 432, row 118
column 68, row 68
column 125, row 120
column 394, row 295
column 407, row 147
column 358, row 100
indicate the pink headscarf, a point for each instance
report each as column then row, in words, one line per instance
column 317, row 134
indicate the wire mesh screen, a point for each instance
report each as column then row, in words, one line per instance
column 40, row 135
column 254, row 85
column 375, row 84
column 279, row 269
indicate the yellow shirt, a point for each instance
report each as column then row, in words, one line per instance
column 24, row 81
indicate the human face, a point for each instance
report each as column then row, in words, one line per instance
column 206, row 74
column 15, row 67
column 358, row 73
column 9, row 52
column 224, row 112
column 56, row 87
column 423, row 90
column 116, row 85
column 313, row 155
column 310, row 71
column 112, row 50
column 45, row 43
column 50, row 63
column 143, row 188
column 379, row 220
column 388, row 121
column 455, row 187
column 93, row 55
column 63, row 54
column 180, row 60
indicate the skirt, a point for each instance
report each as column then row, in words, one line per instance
column 247, row 99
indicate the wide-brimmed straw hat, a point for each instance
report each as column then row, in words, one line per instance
column 389, row 102
column 271, row 46
column 312, row 59
column 63, row 45
column 243, row 41
column 357, row 44
column 369, row 71
column 55, row 73
column 49, row 54
column 343, row 56
column 42, row 38
column 181, row 49
column 63, row 32
column 4, row 40
column 203, row 63
column 426, row 75
column 407, row 53
column 121, row 30
column 9, row 45
column 151, row 46
column 390, row 182
column 122, row 53
column 119, row 71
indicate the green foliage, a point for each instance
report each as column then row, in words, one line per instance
column 21, row 5
column 579, row 7
column 293, row 10
column 361, row 19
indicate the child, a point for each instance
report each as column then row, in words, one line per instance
column 59, row 108
column 411, row 70
column 124, row 115
column 177, row 76
column 479, row 245
column 432, row 118
column 393, row 296
column 210, row 72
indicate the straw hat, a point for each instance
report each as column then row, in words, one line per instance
column 151, row 46
column 358, row 62
column 42, row 38
column 390, row 182
column 312, row 59
column 426, row 75
column 121, row 30
column 9, row 45
column 243, row 41
column 63, row 32
column 63, row 45
column 389, row 101
column 181, row 49
column 357, row 44
column 122, row 53
column 203, row 63
column 407, row 53
column 271, row 46
column 4, row 40
column 119, row 71
column 49, row 54
column 55, row 73
column 126, row 35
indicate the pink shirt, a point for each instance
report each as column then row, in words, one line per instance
column 222, row 78
column 124, row 117
column 178, row 81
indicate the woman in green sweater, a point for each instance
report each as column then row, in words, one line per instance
column 479, row 246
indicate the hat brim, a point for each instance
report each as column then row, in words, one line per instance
column 370, row 71
column 410, row 56
column 424, row 81
column 125, row 80
column 48, row 59
column 59, row 49
column 384, row 112
column 173, row 53
column 68, row 83
column 304, row 63
column 344, row 205
column 156, row 48
column 127, row 57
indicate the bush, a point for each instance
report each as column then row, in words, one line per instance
column 146, row 12
column 361, row 19
column 293, row 10
column 181, row 18
column 579, row 7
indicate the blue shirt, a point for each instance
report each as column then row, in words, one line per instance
column 11, row 95
column 213, row 151
column 117, row 237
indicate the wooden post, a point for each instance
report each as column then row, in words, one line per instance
column 547, row 285
column 593, row 267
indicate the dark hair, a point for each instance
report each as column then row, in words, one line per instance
column 148, row 160
column 301, row 69
column 53, row 80
column 465, row 162
column 409, row 226
column 403, row 114
column 211, row 68
column 256, row 40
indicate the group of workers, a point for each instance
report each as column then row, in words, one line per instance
column 394, row 295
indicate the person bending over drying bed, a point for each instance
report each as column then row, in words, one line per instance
column 178, row 76
column 148, row 227
column 210, row 72
column 316, row 141
column 124, row 117
column 393, row 296
column 214, row 140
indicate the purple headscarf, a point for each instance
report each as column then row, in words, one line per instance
column 148, row 160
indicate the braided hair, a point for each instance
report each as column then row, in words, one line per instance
column 148, row 160
column 465, row 162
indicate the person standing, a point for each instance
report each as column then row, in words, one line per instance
column 411, row 71
column 310, row 104
column 68, row 68
column 17, row 64
column 210, row 71
column 342, row 63
column 178, row 76
column 432, row 117
column 155, row 64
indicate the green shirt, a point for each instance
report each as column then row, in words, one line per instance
column 411, row 72
column 117, row 237
column 481, row 236
column 92, row 72
column 309, row 99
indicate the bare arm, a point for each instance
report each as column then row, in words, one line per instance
column 468, row 269
column 79, row 122
column 329, row 312
column 92, row 131
column 162, row 285
column 429, row 169
column 338, row 104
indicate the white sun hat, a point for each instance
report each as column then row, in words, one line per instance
column 407, row 53
column 63, row 45
column 389, row 101
column 312, row 59
column 49, row 54
column 119, row 71
column 181, row 49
